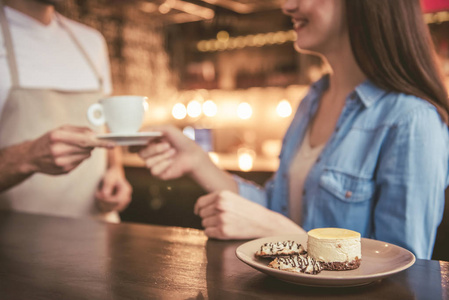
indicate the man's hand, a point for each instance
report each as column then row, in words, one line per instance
column 114, row 192
column 61, row 150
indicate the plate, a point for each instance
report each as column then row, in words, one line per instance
column 130, row 139
column 379, row 260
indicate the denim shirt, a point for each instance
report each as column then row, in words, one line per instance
column 382, row 173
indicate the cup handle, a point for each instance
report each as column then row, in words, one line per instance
column 95, row 114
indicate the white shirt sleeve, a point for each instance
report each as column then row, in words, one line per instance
column 53, row 61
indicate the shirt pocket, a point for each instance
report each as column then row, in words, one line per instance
column 346, row 187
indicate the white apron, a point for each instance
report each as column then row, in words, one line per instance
column 28, row 113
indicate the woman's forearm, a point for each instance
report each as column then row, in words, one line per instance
column 211, row 177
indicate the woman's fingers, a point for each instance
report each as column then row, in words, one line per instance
column 213, row 232
column 204, row 201
column 213, row 220
column 208, row 211
column 154, row 160
column 218, row 232
column 154, row 149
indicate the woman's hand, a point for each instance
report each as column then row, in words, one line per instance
column 172, row 156
column 61, row 150
column 226, row 215
column 114, row 192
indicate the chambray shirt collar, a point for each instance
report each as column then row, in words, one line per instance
column 322, row 84
column 369, row 93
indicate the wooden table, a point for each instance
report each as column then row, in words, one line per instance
column 57, row 258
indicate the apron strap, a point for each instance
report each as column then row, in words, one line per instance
column 12, row 58
column 9, row 47
column 83, row 52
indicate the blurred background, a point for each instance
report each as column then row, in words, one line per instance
column 224, row 71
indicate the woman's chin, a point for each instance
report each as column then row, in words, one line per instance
column 305, row 50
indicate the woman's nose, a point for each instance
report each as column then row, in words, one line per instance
column 289, row 6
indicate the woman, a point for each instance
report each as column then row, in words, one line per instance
column 367, row 149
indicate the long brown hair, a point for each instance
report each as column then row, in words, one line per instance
column 393, row 47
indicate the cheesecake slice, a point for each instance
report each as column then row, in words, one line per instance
column 336, row 249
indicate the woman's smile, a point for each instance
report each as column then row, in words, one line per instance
column 299, row 23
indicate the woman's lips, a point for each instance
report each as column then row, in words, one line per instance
column 299, row 23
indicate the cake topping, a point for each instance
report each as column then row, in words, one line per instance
column 296, row 263
column 280, row 248
column 333, row 233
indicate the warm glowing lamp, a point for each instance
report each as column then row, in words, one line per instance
column 246, row 159
column 194, row 109
column 210, row 108
column 284, row 109
column 179, row 111
column 244, row 111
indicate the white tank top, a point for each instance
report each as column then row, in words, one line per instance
column 302, row 163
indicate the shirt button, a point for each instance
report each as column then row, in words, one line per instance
column 337, row 129
column 348, row 194
column 284, row 208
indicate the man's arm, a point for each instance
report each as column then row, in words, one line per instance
column 14, row 167
column 58, row 151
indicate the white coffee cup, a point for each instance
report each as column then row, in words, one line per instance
column 122, row 114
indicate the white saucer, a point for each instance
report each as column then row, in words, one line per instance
column 130, row 139
column 379, row 260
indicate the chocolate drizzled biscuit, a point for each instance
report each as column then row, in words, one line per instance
column 297, row 263
column 285, row 248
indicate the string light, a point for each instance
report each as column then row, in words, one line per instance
column 225, row 42
column 223, row 36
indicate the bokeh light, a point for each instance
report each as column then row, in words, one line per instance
column 179, row 111
column 210, row 108
column 244, row 111
column 246, row 159
column 194, row 109
column 284, row 109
